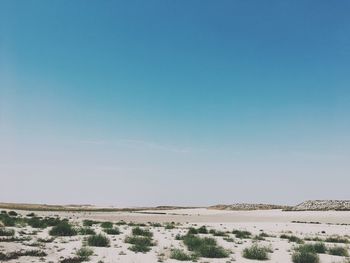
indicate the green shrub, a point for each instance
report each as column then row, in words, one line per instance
column 86, row 231
column 71, row 260
column 8, row 220
column 338, row 251
column 204, row 247
column 217, row 233
column 155, row 224
column 256, row 252
column 169, row 226
column 139, row 243
column 137, row 231
column 37, row 222
column 12, row 213
column 88, row 222
column 121, row 222
column 106, row 224
column 30, row 214
column 112, row 231
column 84, row 253
column 192, row 231
column 17, row 254
column 63, row 229
column 202, row 230
column 318, row 247
column 242, row 234
column 292, row 238
column 99, row 240
column 180, row 255
column 337, row 239
column 305, row 257
column 6, row 232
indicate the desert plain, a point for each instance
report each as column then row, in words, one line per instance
column 187, row 235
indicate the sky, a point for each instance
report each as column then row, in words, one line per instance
column 142, row 103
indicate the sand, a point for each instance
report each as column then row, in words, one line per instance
column 272, row 222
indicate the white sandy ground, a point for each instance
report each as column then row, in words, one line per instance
column 272, row 222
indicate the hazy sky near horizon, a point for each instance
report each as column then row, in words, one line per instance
column 133, row 103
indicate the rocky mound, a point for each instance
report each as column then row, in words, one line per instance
column 322, row 205
column 247, row 206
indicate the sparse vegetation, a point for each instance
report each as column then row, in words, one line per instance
column 12, row 213
column 112, row 231
column 256, row 252
column 99, row 240
column 292, row 238
column 84, row 253
column 88, row 222
column 242, row 234
column 204, row 247
column 304, row 256
column 139, row 243
column 137, row 231
column 86, row 231
column 337, row 239
column 181, row 255
column 6, row 232
column 17, row 254
column 217, row 233
column 63, row 229
column 319, row 248
column 107, row 224
column 338, row 251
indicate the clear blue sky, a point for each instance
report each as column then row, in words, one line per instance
column 174, row 102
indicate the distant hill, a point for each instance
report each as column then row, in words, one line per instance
column 249, row 206
column 81, row 208
column 322, row 205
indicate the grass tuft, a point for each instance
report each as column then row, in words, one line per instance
column 63, row 229
column 99, row 240
column 256, row 252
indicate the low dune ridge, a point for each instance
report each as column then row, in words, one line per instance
column 323, row 205
column 249, row 206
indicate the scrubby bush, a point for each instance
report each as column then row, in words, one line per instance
column 31, row 214
column 217, row 233
column 204, row 247
column 112, row 231
column 169, row 225
column 88, row 222
column 292, row 238
column 137, row 231
column 256, row 252
column 8, row 220
column 140, row 243
column 17, row 254
column 6, row 232
column 84, row 253
column 63, row 229
column 192, row 231
column 337, row 239
column 304, row 256
column 106, row 224
column 12, row 213
column 338, row 251
column 242, row 234
column 202, row 230
column 180, row 255
column 37, row 222
column 86, row 231
column 99, row 240
column 318, row 247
